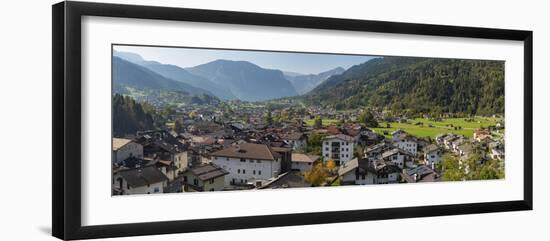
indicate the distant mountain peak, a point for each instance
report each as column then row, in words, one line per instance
column 305, row 83
column 246, row 80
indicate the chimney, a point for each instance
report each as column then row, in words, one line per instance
column 415, row 177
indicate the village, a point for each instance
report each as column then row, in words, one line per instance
column 247, row 146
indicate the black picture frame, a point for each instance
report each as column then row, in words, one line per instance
column 66, row 75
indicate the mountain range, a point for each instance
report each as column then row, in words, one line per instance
column 128, row 76
column 230, row 80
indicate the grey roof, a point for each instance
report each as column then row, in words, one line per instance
column 348, row 166
column 431, row 148
column 339, row 136
column 295, row 136
column 208, row 171
column 395, row 151
column 140, row 177
column 248, row 151
column 424, row 174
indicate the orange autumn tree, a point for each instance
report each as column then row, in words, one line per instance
column 316, row 176
column 331, row 164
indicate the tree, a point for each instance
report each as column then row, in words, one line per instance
column 368, row 119
column 177, row 126
column 330, row 164
column 358, row 151
column 318, row 123
column 314, row 143
column 451, row 169
column 317, row 176
column 269, row 118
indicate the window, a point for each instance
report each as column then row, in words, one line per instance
column 347, row 149
column 244, row 171
column 251, row 161
column 243, row 160
column 326, row 148
column 326, row 155
column 239, row 171
column 326, row 143
column 347, row 155
column 227, row 158
column 259, row 161
column 195, row 182
column 259, row 172
column 254, row 172
column 185, row 179
column 157, row 189
column 211, row 181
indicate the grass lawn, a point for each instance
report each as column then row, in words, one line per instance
column 438, row 127
column 326, row 122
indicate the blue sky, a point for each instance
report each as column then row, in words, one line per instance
column 294, row 62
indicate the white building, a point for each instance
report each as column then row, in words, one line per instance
column 297, row 140
column 365, row 172
column 338, row 148
column 145, row 180
column 432, row 155
column 303, row 162
column 124, row 148
column 247, row 163
column 405, row 142
column 399, row 157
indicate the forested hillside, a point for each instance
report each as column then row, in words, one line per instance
column 418, row 85
column 130, row 116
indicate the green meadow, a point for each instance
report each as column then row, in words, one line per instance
column 326, row 122
column 437, row 127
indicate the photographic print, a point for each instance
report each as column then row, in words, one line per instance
column 201, row 119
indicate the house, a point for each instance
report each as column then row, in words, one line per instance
column 369, row 138
column 206, row 177
column 375, row 152
column 497, row 151
column 364, row 172
column 338, row 148
column 303, row 162
column 125, row 148
column 448, row 141
column 420, row 174
column 163, row 146
column 432, row 155
column 142, row 180
column 398, row 157
column 481, row 134
column 406, row 142
column 247, row 163
column 297, row 140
